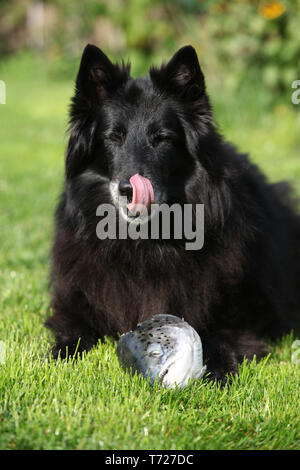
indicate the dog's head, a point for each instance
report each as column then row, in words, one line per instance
column 158, row 127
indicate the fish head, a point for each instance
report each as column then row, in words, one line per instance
column 182, row 357
column 164, row 349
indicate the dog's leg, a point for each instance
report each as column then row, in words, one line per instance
column 224, row 349
column 72, row 325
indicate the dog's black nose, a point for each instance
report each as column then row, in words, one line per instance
column 125, row 189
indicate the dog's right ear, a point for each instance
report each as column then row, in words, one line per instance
column 98, row 76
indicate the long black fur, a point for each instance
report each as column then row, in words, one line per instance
column 242, row 286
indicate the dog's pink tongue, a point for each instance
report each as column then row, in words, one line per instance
column 142, row 192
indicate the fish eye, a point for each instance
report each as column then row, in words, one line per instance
column 154, row 350
column 155, row 353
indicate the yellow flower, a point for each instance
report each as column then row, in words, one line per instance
column 272, row 10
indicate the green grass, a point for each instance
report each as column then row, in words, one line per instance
column 92, row 403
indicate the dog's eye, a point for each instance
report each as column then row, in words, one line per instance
column 157, row 139
column 117, row 136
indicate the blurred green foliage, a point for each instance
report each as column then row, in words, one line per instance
column 236, row 41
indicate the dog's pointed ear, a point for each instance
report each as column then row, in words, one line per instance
column 98, row 76
column 181, row 76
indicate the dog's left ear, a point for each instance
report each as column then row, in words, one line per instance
column 181, row 76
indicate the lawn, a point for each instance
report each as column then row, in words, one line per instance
column 91, row 403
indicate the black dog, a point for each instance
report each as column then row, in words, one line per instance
column 243, row 285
